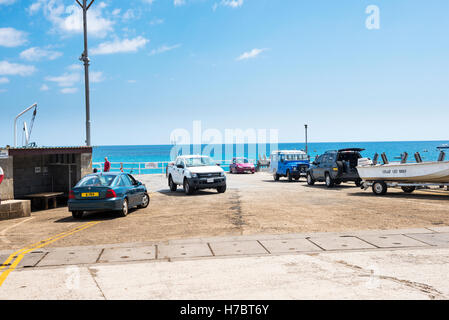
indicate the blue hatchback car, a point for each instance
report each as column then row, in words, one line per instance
column 108, row 192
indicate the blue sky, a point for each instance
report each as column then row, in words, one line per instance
column 158, row 65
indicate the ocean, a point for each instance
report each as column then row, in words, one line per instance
column 131, row 155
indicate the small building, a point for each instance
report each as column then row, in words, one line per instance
column 42, row 170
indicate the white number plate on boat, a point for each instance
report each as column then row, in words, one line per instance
column 211, row 180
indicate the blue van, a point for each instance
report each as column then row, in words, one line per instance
column 292, row 164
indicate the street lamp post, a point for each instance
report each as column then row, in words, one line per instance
column 307, row 147
column 85, row 58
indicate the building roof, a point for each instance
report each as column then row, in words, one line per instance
column 48, row 150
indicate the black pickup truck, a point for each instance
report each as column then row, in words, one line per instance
column 335, row 167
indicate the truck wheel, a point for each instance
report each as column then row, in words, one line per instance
column 310, row 180
column 329, row 181
column 289, row 176
column 380, row 188
column 408, row 189
column 276, row 177
column 125, row 208
column 173, row 186
column 221, row 189
column 188, row 190
column 77, row 214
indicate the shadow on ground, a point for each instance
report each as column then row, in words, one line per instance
column 94, row 216
column 180, row 193
column 398, row 195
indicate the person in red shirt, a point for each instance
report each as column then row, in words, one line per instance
column 107, row 165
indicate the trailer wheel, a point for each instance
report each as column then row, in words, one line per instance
column 408, row 189
column 358, row 182
column 380, row 188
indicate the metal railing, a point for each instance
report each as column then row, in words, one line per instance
column 139, row 168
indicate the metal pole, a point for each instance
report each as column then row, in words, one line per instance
column 307, row 147
column 85, row 58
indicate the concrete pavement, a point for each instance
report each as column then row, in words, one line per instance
column 390, row 264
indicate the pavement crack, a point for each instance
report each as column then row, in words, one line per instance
column 93, row 273
column 430, row 291
column 236, row 211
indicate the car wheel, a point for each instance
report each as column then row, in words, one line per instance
column 173, row 186
column 125, row 208
column 221, row 189
column 276, row 177
column 380, row 188
column 145, row 201
column 310, row 180
column 289, row 176
column 408, row 189
column 188, row 190
column 329, row 181
column 77, row 214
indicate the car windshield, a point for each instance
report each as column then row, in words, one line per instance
column 295, row 157
column 96, row 181
column 199, row 162
column 240, row 161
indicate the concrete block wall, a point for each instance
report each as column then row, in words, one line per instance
column 13, row 209
column 26, row 180
column 7, row 186
column 84, row 161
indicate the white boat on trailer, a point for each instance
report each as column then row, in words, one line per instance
column 408, row 176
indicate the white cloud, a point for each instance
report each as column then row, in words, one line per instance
column 69, row 20
column 15, row 69
column 69, row 90
column 4, row 80
column 37, row 54
column 75, row 67
column 228, row 3
column 96, row 76
column 116, row 12
column 250, row 54
column 121, row 46
column 7, row 2
column 163, row 49
column 148, row 1
column 65, row 80
column 156, row 22
column 179, row 2
column 10, row 37
column 44, row 87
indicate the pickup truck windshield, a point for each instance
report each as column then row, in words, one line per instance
column 199, row 162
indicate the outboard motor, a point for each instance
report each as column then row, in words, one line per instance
column 384, row 158
column 418, row 157
column 376, row 158
column 442, row 156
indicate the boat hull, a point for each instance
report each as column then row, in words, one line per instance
column 436, row 172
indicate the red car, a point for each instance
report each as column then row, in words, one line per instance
column 240, row 165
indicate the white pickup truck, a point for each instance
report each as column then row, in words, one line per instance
column 195, row 173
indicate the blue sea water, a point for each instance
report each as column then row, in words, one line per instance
column 130, row 155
